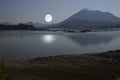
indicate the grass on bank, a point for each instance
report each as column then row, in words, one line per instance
column 101, row 66
column 2, row 73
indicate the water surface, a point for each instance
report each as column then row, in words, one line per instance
column 29, row 44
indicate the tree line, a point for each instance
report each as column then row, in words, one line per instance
column 16, row 27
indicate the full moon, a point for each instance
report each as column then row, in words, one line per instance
column 48, row 18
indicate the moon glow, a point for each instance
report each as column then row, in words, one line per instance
column 48, row 18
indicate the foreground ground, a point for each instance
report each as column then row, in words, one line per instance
column 100, row 66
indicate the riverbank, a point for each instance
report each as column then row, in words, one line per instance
column 97, row 66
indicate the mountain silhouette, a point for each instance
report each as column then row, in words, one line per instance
column 88, row 19
column 95, row 15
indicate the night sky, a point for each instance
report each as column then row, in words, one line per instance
column 22, row 11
